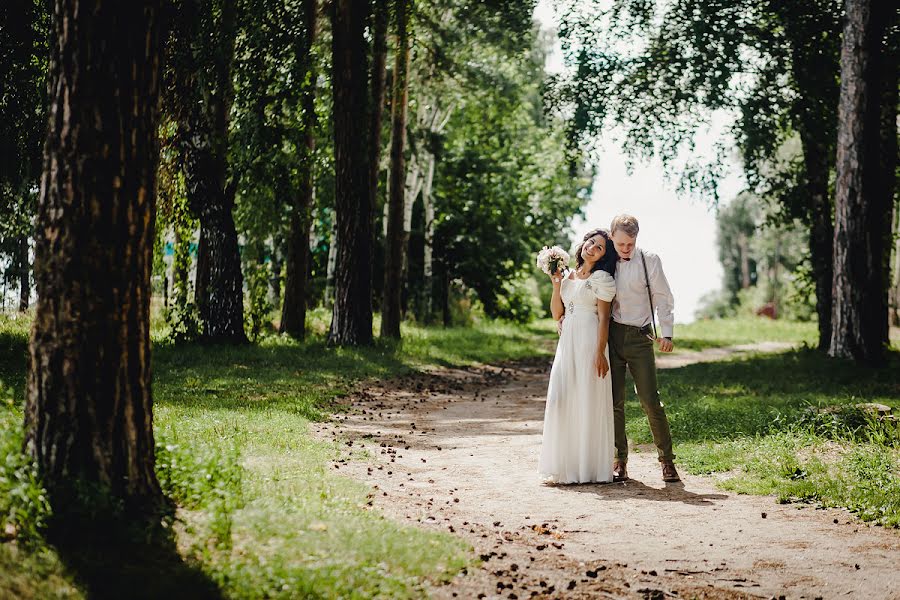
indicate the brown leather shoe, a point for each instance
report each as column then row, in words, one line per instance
column 620, row 473
column 669, row 473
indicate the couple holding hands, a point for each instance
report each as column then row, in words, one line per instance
column 605, row 311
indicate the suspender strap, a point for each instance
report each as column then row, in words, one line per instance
column 649, row 295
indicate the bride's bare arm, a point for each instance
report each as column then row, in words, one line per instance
column 602, row 364
column 556, row 304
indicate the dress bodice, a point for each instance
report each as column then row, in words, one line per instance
column 584, row 293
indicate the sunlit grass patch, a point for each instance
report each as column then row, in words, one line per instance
column 710, row 333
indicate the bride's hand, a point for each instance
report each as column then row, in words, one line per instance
column 556, row 277
column 602, row 366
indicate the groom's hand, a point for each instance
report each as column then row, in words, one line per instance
column 666, row 344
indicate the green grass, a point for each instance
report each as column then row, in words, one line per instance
column 712, row 333
column 760, row 422
column 262, row 513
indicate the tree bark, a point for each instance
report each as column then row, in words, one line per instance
column 88, row 418
column 203, row 125
column 394, row 242
column 428, row 261
column 351, row 319
column 331, row 266
column 859, row 318
column 293, row 312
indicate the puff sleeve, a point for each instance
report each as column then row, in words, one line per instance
column 602, row 285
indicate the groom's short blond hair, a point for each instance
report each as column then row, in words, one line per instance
column 626, row 223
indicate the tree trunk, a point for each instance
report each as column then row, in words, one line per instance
column 88, row 419
column 351, row 319
column 744, row 249
column 203, row 134
column 428, row 204
column 414, row 182
column 24, row 274
column 395, row 247
column 821, row 229
column 859, row 319
column 331, row 266
column 293, row 312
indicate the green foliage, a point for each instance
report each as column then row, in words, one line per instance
column 658, row 72
column 24, row 507
column 206, row 478
column 504, row 184
column 259, row 307
column 519, row 301
column 175, row 230
column 764, row 260
column 24, row 29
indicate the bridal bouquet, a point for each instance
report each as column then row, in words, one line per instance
column 552, row 260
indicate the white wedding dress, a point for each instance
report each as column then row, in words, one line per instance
column 578, row 444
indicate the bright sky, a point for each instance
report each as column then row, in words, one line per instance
column 682, row 231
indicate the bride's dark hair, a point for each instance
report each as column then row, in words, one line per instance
column 610, row 258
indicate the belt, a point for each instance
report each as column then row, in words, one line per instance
column 643, row 330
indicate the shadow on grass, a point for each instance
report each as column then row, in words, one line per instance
column 761, row 394
column 107, row 566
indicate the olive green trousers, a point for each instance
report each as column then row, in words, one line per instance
column 629, row 348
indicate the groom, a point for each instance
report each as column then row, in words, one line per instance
column 639, row 278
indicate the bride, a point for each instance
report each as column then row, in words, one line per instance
column 578, row 442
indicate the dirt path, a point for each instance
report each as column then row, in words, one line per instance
column 456, row 450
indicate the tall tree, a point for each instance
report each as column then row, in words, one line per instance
column 351, row 320
column 293, row 313
column 203, row 51
column 88, row 419
column 864, row 190
column 397, row 239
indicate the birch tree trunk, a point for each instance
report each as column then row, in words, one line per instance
column 428, row 204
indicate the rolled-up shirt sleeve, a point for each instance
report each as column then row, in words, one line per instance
column 663, row 300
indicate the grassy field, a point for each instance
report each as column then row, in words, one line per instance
column 788, row 424
column 263, row 513
column 715, row 333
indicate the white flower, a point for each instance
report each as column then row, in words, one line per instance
column 551, row 260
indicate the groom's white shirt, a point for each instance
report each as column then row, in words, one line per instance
column 631, row 305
